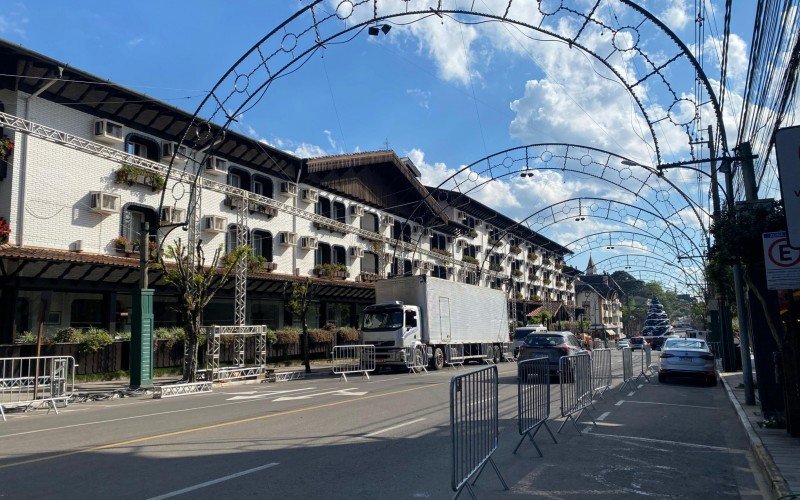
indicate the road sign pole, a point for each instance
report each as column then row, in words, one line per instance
column 141, row 357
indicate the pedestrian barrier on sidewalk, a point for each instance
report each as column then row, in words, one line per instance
column 416, row 358
column 454, row 355
column 474, row 426
column 36, row 380
column 351, row 359
column 287, row 376
column 533, row 399
column 575, row 383
column 601, row 371
column 182, row 389
column 627, row 369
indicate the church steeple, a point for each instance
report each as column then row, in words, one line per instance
column 590, row 269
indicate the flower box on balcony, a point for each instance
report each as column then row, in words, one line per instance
column 261, row 208
column 130, row 175
column 441, row 251
column 532, row 257
column 469, row 260
column 515, row 249
column 366, row 277
column 496, row 268
column 331, row 271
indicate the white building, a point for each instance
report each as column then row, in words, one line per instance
column 89, row 161
column 600, row 297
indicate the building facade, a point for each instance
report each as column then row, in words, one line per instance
column 601, row 298
column 89, row 163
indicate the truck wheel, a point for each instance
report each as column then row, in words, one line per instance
column 437, row 363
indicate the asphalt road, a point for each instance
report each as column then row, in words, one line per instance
column 384, row 438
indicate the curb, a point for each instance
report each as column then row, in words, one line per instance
column 776, row 481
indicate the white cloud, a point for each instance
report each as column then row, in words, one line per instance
column 135, row 41
column 421, row 96
column 676, row 14
column 13, row 21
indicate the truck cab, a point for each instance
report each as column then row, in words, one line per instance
column 390, row 327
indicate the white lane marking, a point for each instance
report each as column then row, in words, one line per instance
column 640, row 386
column 603, row 416
column 619, row 403
column 404, row 424
column 631, row 393
column 338, row 392
column 213, row 481
column 664, row 441
column 586, row 429
column 671, row 404
column 269, row 394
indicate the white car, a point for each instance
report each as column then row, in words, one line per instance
column 623, row 344
column 687, row 358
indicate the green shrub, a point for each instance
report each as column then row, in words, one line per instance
column 94, row 339
column 272, row 338
column 320, row 336
column 68, row 336
column 123, row 336
column 25, row 338
column 348, row 334
column 287, row 336
column 169, row 335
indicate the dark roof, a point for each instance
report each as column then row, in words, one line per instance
column 85, row 92
column 571, row 271
column 601, row 283
column 495, row 218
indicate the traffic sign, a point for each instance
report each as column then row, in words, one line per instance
column 787, row 152
column 782, row 262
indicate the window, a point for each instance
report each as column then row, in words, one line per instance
column 471, row 278
column 439, row 272
column 438, row 241
column 369, row 263
column 407, row 267
column 401, row 231
column 132, row 218
column 338, row 255
column 369, row 222
column 239, row 178
column 411, row 319
column 323, row 254
column 339, row 213
column 469, row 222
column 262, row 244
column 323, row 207
column 142, row 147
column 234, row 180
column 495, row 234
column 262, row 186
column 230, row 240
column 86, row 312
column 471, row 251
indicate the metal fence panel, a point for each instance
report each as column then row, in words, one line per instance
column 25, row 381
column 508, row 351
column 627, row 368
column 575, row 384
column 533, row 399
column 349, row 359
column 416, row 358
column 601, row 371
column 645, row 363
column 454, row 355
column 474, row 426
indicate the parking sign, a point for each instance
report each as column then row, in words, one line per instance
column 781, row 261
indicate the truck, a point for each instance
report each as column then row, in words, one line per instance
column 436, row 315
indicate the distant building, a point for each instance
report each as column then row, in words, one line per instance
column 600, row 297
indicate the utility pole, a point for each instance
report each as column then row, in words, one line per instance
column 141, row 362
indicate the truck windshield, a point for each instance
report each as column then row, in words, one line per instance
column 384, row 320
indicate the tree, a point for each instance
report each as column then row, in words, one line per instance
column 196, row 286
column 297, row 297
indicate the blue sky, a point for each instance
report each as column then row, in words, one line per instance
column 443, row 93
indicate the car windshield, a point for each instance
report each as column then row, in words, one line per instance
column 383, row 320
column 521, row 333
column 544, row 340
column 685, row 344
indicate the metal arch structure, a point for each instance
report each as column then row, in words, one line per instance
column 651, row 262
column 610, row 240
column 624, row 213
column 657, row 276
column 613, row 169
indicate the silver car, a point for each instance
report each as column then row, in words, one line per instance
column 687, row 358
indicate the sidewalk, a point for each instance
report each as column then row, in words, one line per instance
column 776, row 451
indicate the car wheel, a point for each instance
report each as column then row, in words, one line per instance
column 662, row 378
column 437, row 363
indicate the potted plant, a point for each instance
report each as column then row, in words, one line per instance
column 515, row 249
column 473, row 233
column 517, row 273
column 546, row 262
column 122, row 244
column 469, row 259
column 130, row 175
column 441, row 251
column 5, row 231
column 532, row 257
column 6, row 147
column 496, row 267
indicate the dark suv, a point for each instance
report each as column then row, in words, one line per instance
column 552, row 345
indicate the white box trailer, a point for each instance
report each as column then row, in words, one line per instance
column 439, row 314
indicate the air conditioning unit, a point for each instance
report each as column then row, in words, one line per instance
column 356, row 210
column 461, row 243
column 387, row 220
column 289, row 188
column 216, row 165
column 173, row 215
column 214, row 224
column 309, row 195
column 308, row 243
column 461, row 215
column 356, row 252
column 427, row 266
column 104, row 203
column 287, row 238
column 108, row 132
column 168, row 150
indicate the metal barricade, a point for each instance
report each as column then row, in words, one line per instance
column 627, row 369
column 598, row 344
column 474, row 426
column 508, row 352
column 27, row 381
column 575, row 383
column 416, row 358
column 601, row 371
column 454, row 355
column 533, row 399
column 349, row 359
column 646, row 363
